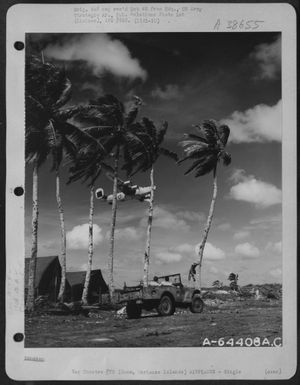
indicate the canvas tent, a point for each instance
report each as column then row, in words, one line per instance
column 75, row 283
column 48, row 276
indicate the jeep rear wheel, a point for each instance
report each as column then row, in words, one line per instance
column 166, row 306
column 197, row 304
column 133, row 310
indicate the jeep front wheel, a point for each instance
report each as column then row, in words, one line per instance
column 197, row 304
column 133, row 310
column 166, row 306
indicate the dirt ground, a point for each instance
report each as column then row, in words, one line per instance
column 235, row 321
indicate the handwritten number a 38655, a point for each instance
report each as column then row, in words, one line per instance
column 238, row 25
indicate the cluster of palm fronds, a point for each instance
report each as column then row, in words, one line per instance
column 101, row 134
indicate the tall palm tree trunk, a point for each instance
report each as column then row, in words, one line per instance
column 149, row 228
column 91, row 250
column 207, row 227
column 34, row 235
column 63, row 240
column 113, row 225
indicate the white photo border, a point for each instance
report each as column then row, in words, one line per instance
column 173, row 363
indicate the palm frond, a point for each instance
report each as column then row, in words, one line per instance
column 207, row 166
column 193, row 166
column 133, row 110
column 209, row 128
column 224, row 132
column 65, row 94
column 226, row 158
column 168, row 153
column 196, row 137
column 161, row 133
column 188, row 143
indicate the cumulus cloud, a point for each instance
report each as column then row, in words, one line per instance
column 252, row 190
column 224, row 226
column 127, row 233
column 168, row 257
column 169, row 92
column 184, row 248
column 274, row 247
column 211, row 252
column 268, row 58
column 78, row 237
column 191, row 216
column 265, row 223
column 100, row 52
column 262, row 123
column 241, row 234
column 247, row 250
column 276, row 273
column 165, row 219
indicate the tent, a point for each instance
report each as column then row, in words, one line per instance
column 75, row 284
column 48, row 276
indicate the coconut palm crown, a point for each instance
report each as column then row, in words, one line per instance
column 107, row 120
column 49, row 133
column 143, row 161
column 153, row 139
column 207, row 148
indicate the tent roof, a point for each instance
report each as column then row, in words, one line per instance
column 75, row 277
column 42, row 264
column 78, row 278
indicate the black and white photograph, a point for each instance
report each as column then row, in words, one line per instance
column 153, row 186
column 154, row 192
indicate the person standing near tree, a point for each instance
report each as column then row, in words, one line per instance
column 192, row 271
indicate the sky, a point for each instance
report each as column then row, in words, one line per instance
column 182, row 78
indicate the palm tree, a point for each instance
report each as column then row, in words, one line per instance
column 141, row 162
column 48, row 132
column 88, row 166
column 206, row 150
column 41, row 81
column 35, row 154
column 119, row 134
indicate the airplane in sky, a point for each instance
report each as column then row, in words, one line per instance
column 127, row 190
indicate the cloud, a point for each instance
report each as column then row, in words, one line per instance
column 213, row 270
column 165, row 219
column 100, row 52
column 169, row 92
column 191, row 216
column 247, row 250
column 78, row 237
column 262, row 123
column 127, row 233
column 211, row 252
column 274, row 247
column 249, row 189
column 224, row 226
column 265, row 223
column 276, row 273
column 241, row 234
column 168, row 257
column 82, row 267
column 184, row 248
column 268, row 58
